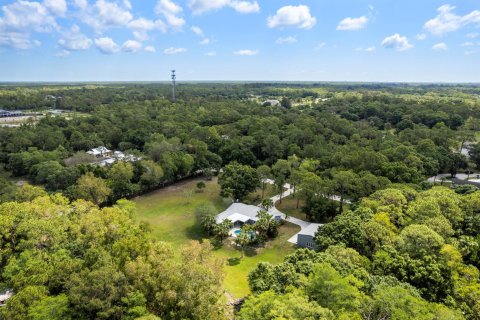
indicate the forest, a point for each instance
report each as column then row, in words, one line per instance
column 394, row 246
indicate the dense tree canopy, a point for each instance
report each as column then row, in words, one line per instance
column 357, row 157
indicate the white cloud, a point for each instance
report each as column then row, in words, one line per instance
column 292, row 16
column 173, row 50
column 142, row 26
column 447, row 21
column 197, row 30
column 74, row 40
column 320, row 46
column 127, row 4
column 369, row 49
column 352, row 24
column 20, row 19
column 421, row 36
column 104, row 14
column 440, row 46
column 81, row 4
column 467, row 44
column 25, row 16
column 245, row 6
column 150, row 49
column 245, row 52
column 16, row 40
column 170, row 11
column 205, row 41
column 106, row 45
column 396, row 42
column 470, row 52
column 57, row 7
column 62, row 54
column 472, row 35
column 289, row 39
column 131, row 46
column 211, row 54
column 202, row 6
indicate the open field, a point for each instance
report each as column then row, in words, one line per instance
column 170, row 214
column 170, row 211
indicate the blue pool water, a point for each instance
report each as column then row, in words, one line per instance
column 237, row 232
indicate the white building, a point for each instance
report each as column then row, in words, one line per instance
column 100, row 152
column 240, row 214
column 4, row 296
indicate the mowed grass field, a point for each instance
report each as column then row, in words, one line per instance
column 170, row 212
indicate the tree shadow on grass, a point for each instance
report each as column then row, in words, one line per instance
column 250, row 252
column 195, row 232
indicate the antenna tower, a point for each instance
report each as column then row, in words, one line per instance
column 174, row 77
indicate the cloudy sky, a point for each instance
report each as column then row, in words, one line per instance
column 310, row 40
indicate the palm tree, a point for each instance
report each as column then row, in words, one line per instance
column 267, row 204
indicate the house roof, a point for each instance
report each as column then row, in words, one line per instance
column 310, row 230
column 240, row 212
column 4, row 296
column 99, row 150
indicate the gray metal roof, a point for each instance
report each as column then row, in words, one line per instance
column 310, row 230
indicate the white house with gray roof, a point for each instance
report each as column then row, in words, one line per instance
column 240, row 214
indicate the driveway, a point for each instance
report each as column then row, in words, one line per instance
column 301, row 223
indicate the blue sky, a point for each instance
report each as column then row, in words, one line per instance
column 284, row 40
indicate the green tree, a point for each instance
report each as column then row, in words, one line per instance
column 119, row 180
column 292, row 305
column 264, row 172
column 205, row 214
column 222, row 229
column 281, row 171
column 91, row 188
column 200, row 186
column 330, row 290
column 237, row 180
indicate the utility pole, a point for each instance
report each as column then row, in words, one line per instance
column 174, row 77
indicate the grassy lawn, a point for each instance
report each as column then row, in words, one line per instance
column 289, row 207
column 237, row 268
column 256, row 197
column 170, row 211
column 170, row 214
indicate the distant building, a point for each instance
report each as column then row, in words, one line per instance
column 6, row 113
column 305, row 238
column 107, row 161
column 119, row 155
column 108, row 157
column 100, row 152
column 271, row 102
column 4, row 296
column 55, row 111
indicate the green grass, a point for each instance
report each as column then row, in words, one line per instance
column 238, row 268
column 170, row 213
column 171, row 218
column 289, row 207
column 256, row 197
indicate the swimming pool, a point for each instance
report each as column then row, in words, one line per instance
column 237, row 232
